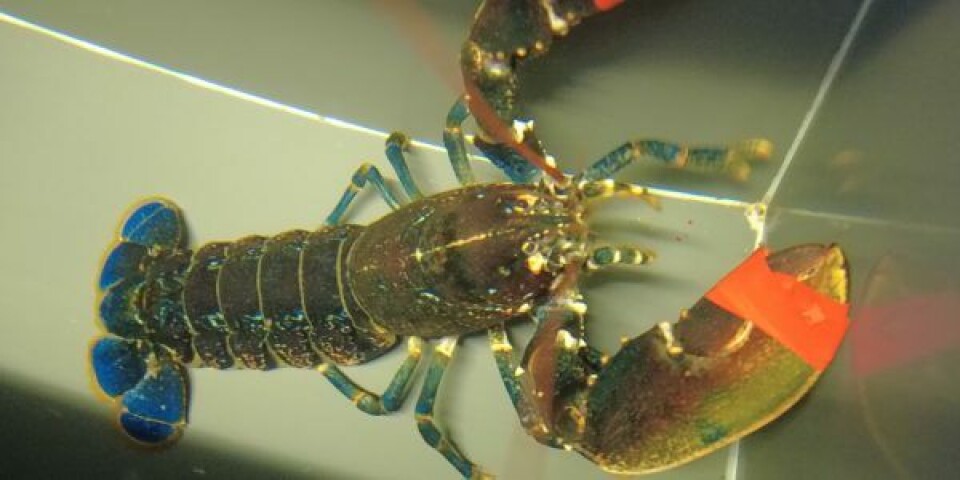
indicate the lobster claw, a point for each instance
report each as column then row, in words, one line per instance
column 681, row 391
column 501, row 32
column 504, row 33
column 559, row 369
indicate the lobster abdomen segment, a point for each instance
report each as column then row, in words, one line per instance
column 282, row 301
column 342, row 330
column 239, row 298
column 211, row 332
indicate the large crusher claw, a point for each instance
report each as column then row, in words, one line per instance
column 681, row 391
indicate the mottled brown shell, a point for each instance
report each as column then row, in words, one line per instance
column 454, row 263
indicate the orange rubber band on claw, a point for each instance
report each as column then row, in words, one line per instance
column 809, row 323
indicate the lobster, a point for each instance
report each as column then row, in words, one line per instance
column 473, row 259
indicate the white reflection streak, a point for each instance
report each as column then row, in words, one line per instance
column 698, row 198
column 872, row 221
column 831, row 74
column 733, row 461
column 733, row 458
column 296, row 111
column 197, row 81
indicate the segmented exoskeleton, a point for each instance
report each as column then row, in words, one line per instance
column 242, row 304
column 457, row 262
column 736, row 360
column 442, row 266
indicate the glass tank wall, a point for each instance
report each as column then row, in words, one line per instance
column 252, row 116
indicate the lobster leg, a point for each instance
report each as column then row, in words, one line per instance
column 366, row 173
column 560, row 360
column 606, row 255
column 396, row 144
column 429, row 430
column 517, row 168
column 512, row 376
column 507, row 365
column 733, row 160
column 395, row 393
column 455, row 144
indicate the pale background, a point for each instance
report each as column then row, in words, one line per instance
column 873, row 121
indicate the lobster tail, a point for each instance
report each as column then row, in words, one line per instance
column 144, row 379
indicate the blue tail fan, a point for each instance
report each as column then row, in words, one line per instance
column 155, row 223
column 122, row 262
column 155, row 410
column 118, row 364
column 148, row 431
column 118, row 309
column 151, row 390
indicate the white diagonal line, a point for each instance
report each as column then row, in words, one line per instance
column 732, row 470
column 197, row 81
column 838, row 58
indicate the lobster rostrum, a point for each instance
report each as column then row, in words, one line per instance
column 439, row 267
